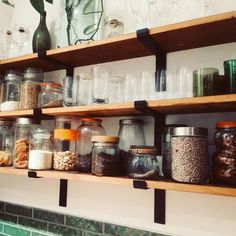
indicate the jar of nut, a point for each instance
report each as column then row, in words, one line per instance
column 224, row 159
column 30, row 88
column 64, row 149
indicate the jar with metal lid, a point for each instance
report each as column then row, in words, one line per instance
column 89, row 127
column 105, row 156
column 23, row 129
column 11, row 91
column 6, row 142
column 224, row 158
column 190, row 162
column 64, row 149
column 51, row 95
column 143, row 163
column 40, row 154
column 30, row 88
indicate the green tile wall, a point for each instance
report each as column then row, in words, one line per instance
column 16, row 220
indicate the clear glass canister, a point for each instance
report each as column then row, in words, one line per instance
column 64, row 149
column 143, row 163
column 190, row 162
column 30, row 88
column 224, row 158
column 88, row 128
column 23, row 129
column 11, row 91
column 40, row 154
column 51, row 95
column 105, row 156
column 6, row 142
column 113, row 26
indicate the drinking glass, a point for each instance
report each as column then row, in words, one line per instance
column 147, row 85
column 160, row 85
column 172, row 85
column 131, row 88
column 116, row 89
column 70, row 91
column 84, row 96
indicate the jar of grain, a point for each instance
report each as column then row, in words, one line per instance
column 224, row 159
column 190, row 162
column 30, row 88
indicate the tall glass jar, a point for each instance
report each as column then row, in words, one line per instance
column 40, row 154
column 30, row 88
column 88, row 128
column 6, row 142
column 64, row 149
column 224, row 159
column 11, row 91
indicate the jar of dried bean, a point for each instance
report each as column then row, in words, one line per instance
column 105, row 156
column 64, row 149
column 224, row 159
column 30, row 88
column 190, row 162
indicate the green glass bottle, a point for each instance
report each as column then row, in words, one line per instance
column 41, row 38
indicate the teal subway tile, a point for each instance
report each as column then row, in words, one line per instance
column 32, row 223
column 1, row 227
column 8, row 218
column 91, row 234
column 18, row 210
column 84, row 224
column 48, row 216
column 111, row 229
column 15, row 231
column 41, row 234
column 2, row 234
column 64, row 231
column 2, row 204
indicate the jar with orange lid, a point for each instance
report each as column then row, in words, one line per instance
column 88, row 128
column 64, row 149
column 224, row 158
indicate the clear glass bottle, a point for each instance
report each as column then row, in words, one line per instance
column 143, row 163
column 6, row 142
column 11, row 91
column 88, row 128
column 51, row 95
column 105, row 156
column 30, row 88
column 64, row 149
column 40, row 154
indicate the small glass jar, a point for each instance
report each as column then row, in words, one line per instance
column 88, row 128
column 30, row 88
column 51, row 95
column 40, row 154
column 224, row 159
column 189, row 147
column 105, row 156
column 113, row 26
column 143, row 163
column 11, row 91
column 64, row 157
column 6, row 142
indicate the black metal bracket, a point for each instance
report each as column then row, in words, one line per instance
column 43, row 55
column 63, row 192
column 140, row 184
column 39, row 116
column 159, row 206
column 33, row 174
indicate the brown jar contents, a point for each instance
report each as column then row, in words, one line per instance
column 21, row 153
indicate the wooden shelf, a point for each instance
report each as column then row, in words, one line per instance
column 206, row 31
column 165, row 185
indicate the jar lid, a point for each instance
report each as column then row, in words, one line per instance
column 13, row 74
column 189, row 131
column 105, row 139
column 25, row 121
column 41, row 133
column 65, row 134
column 32, row 72
column 131, row 122
column 51, row 85
column 226, row 124
column 6, row 122
column 150, row 150
column 169, row 127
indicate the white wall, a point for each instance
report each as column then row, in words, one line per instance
column 186, row 214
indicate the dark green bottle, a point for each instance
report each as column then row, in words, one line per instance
column 41, row 38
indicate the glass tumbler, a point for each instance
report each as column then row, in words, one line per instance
column 230, row 76
column 84, row 96
column 131, row 88
column 70, row 91
column 147, row 85
column 100, row 84
column 116, row 89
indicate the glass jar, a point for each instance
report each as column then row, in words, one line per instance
column 189, row 147
column 51, row 95
column 6, row 142
column 224, row 159
column 88, row 128
column 143, row 163
column 105, row 156
column 64, row 149
column 113, row 26
column 40, row 154
column 130, row 133
column 30, row 88
column 11, row 91
column 23, row 129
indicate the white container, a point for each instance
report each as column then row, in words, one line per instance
column 40, row 160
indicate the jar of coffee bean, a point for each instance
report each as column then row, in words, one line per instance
column 224, row 159
column 189, row 147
